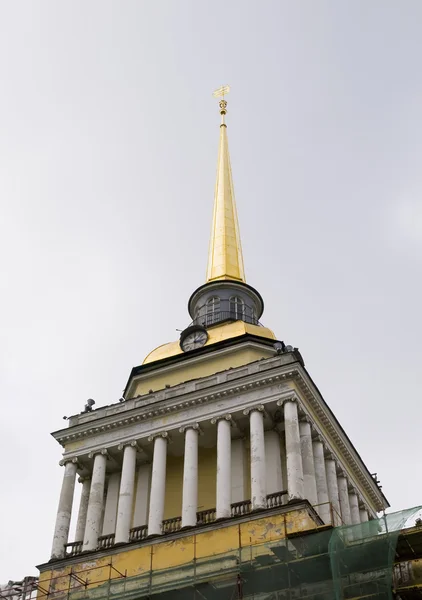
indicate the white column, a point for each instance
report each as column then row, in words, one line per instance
column 354, row 507
column 331, row 472
column 110, row 504
column 323, row 507
column 96, row 500
column 140, row 516
column 258, row 464
column 274, row 481
column 223, row 500
column 309, row 480
column 295, row 484
column 158, row 484
column 190, row 476
column 64, row 512
column 343, row 494
column 126, row 494
column 238, row 466
column 363, row 513
column 83, row 508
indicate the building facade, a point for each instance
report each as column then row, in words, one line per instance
column 220, row 452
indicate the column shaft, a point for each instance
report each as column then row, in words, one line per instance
column 190, row 479
column 258, row 466
column 158, row 486
column 354, row 508
column 343, row 494
column 95, row 503
column 363, row 513
column 83, row 508
column 293, row 453
column 223, row 503
column 64, row 512
column 330, row 469
column 127, row 488
column 323, row 507
column 309, row 481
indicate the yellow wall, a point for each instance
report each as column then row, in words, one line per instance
column 207, row 483
column 174, row 481
column 177, row 552
column 207, row 465
column 188, row 371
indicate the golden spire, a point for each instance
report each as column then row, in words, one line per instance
column 225, row 259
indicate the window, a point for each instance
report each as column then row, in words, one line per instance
column 237, row 308
column 213, row 310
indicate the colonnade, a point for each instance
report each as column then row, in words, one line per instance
column 309, row 473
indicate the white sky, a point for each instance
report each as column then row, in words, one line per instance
column 108, row 149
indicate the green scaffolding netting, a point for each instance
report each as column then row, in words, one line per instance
column 332, row 564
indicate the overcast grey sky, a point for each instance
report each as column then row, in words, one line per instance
column 108, row 150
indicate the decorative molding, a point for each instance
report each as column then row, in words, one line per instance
column 102, row 451
column 132, row 443
column 259, row 408
column 72, row 459
column 226, row 417
column 290, row 398
column 162, row 434
column 304, row 418
column 194, row 426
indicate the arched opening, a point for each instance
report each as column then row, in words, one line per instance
column 212, row 310
column 237, row 308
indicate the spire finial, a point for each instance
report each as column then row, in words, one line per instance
column 220, row 93
column 225, row 260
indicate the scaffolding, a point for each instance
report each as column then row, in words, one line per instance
column 331, row 564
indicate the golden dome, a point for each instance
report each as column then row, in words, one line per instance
column 215, row 335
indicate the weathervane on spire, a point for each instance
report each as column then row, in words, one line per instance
column 220, row 93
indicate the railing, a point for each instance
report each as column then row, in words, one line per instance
column 208, row 320
column 224, row 310
column 276, row 499
column 106, row 541
column 73, row 548
column 241, row 508
column 171, row 525
column 138, row 533
column 205, row 516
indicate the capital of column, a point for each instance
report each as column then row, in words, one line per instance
column 194, row 426
column 132, row 443
column 283, row 401
column 319, row 438
column 260, row 408
column 342, row 473
column 330, row 456
column 72, row 459
column 353, row 490
column 161, row 434
column 83, row 479
column 304, row 418
column 103, row 451
column 226, row 417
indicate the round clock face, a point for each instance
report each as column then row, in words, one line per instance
column 195, row 339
